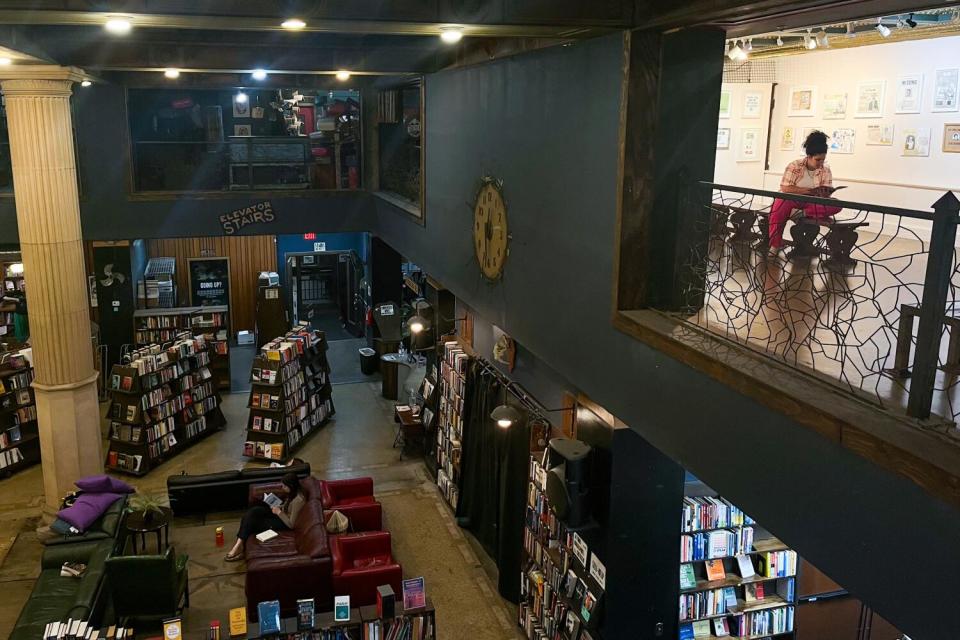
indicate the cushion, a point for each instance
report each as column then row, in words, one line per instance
column 87, row 509
column 103, row 484
column 346, row 502
column 64, row 528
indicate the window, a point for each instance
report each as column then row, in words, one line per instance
column 400, row 124
column 239, row 139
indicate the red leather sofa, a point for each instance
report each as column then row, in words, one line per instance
column 354, row 499
column 361, row 563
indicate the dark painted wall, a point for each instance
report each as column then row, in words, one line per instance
column 528, row 121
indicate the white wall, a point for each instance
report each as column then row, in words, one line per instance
column 729, row 170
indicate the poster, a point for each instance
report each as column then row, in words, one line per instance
column 751, row 104
column 209, row 281
column 726, row 98
column 723, row 138
column 788, row 139
column 951, row 138
column 835, row 106
column 946, row 86
column 842, row 140
column 749, row 145
column 870, row 99
column 916, row 142
column 909, row 94
column 802, row 101
column 880, row 135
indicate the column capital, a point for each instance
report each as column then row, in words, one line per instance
column 40, row 80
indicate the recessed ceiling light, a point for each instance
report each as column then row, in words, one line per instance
column 241, row 97
column 293, row 24
column 451, row 35
column 5, row 61
column 118, row 26
column 343, row 75
column 171, row 73
column 259, row 74
column 85, row 83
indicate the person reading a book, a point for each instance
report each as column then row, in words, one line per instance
column 263, row 516
column 807, row 176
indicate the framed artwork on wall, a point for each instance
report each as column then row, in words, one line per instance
column 788, row 139
column 870, row 97
column 916, row 142
column 723, row 138
column 842, row 140
column 241, row 130
column 241, row 109
column 834, row 106
column 751, row 104
column 909, row 94
column 749, row 145
column 951, row 138
column 880, row 135
column 802, row 101
column 946, row 87
column 726, row 101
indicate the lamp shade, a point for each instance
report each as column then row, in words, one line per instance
column 505, row 415
column 417, row 324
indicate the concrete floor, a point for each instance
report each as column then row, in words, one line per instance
column 426, row 540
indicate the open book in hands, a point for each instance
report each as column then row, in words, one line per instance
column 825, row 192
column 272, row 500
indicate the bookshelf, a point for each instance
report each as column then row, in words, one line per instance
column 19, row 438
column 290, row 394
column 735, row 577
column 407, row 624
column 163, row 400
column 152, row 326
column 453, row 383
column 11, row 282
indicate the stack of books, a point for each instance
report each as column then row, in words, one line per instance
column 82, row 630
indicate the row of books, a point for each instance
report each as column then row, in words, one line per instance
column 26, row 414
column 10, row 436
column 260, row 449
column 19, row 380
column 706, row 604
column 706, row 512
column 127, row 461
column 269, row 372
column 195, row 428
column 13, row 399
column 769, row 621
column 720, row 627
column 265, row 401
column 209, row 320
column 201, row 408
column 317, row 417
column 134, row 434
column 83, row 630
column 452, row 382
column 156, row 335
column 161, row 446
column 778, row 564
column 448, row 488
column 716, row 544
column 9, row 457
column 164, row 321
column 414, row 627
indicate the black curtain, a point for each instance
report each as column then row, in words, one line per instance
column 493, row 478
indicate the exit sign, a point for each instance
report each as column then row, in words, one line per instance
column 309, row 236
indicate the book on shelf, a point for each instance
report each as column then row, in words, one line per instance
column 305, row 614
column 269, row 614
column 745, row 564
column 715, row 571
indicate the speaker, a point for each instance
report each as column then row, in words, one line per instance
column 568, row 482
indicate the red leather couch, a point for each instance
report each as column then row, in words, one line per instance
column 354, row 499
column 361, row 563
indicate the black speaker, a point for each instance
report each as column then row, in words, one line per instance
column 567, row 481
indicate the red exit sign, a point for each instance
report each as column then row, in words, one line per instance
column 309, row 236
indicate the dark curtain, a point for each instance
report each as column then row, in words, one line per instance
column 493, row 478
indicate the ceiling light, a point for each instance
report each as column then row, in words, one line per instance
column 822, row 39
column 118, row 26
column 85, row 83
column 779, row 41
column 293, row 24
column 241, row 97
column 809, row 41
column 850, row 30
column 451, row 35
column 911, row 22
column 737, row 53
column 343, row 75
column 883, row 29
column 748, row 47
column 5, row 61
column 259, row 74
column 505, row 415
column 171, row 73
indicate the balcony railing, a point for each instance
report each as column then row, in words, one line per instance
column 866, row 298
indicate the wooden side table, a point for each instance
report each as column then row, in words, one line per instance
column 139, row 524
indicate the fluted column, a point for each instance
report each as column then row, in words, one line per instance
column 48, row 215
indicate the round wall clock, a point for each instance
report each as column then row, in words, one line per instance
column 490, row 237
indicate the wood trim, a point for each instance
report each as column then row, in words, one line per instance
column 611, row 420
column 901, row 185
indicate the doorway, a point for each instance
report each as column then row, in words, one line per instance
column 325, row 292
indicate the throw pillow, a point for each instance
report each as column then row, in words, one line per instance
column 87, row 509
column 103, row 484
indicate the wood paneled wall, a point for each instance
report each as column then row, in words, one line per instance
column 249, row 255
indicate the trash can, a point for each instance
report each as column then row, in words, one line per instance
column 368, row 361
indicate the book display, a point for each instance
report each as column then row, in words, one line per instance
column 363, row 624
column 290, row 394
column 163, row 401
column 154, row 326
column 453, row 382
column 735, row 578
column 19, row 439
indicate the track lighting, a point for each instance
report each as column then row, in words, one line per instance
column 883, row 29
column 343, row 75
column 748, row 47
column 259, row 74
column 911, row 22
column 809, row 42
column 779, row 41
column 822, row 39
column 118, row 26
column 850, row 30
column 173, row 74
column 293, row 24
column 451, row 35
column 737, row 53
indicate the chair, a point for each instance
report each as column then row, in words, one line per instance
column 354, row 498
column 361, row 563
column 148, row 587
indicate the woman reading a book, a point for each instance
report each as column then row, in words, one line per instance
column 262, row 516
column 807, row 176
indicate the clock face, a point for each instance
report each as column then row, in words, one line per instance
column 490, row 230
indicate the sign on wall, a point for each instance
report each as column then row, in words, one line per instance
column 260, row 213
column 209, row 281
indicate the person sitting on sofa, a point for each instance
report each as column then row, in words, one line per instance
column 261, row 517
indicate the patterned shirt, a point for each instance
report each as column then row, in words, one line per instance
column 822, row 177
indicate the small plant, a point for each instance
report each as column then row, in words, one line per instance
column 147, row 503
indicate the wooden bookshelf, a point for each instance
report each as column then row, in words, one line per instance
column 164, row 400
column 290, row 394
column 19, row 438
column 453, row 384
column 417, row 624
column 155, row 326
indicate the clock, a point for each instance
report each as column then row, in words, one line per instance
column 490, row 237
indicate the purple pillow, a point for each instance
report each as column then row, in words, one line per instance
column 88, row 508
column 103, row 484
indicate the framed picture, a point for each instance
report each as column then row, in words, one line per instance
column 835, row 106
column 726, row 101
column 916, row 142
column 909, row 94
column 870, row 96
column 241, row 130
column 946, row 86
column 241, row 109
column 880, row 135
column 951, row 138
column 749, row 145
column 802, row 101
column 842, row 140
column 751, row 104
column 788, row 139
column 723, row 138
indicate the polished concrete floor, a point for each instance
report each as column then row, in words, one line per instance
column 426, row 540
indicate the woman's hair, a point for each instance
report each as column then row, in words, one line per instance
column 816, row 143
column 292, row 483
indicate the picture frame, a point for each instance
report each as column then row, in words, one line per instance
column 946, row 90
column 909, row 96
column 726, row 102
column 842, row 140
column 834, row 106
column 723, row 138
column 788, row 138
column 951, row 138
column 802, row 101
column 870, row 97
column 880, row 135
column 750, row 147
column 752, row 103
column 242, row 130
column 241, row 109
column 916, row 142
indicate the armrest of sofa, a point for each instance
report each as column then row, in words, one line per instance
column 336, row 490
column 363, row 517
column 81, row 551
column 350, row 550
column 258, row 490
column 288, row 579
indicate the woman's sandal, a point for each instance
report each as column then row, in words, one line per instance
column 233, row 558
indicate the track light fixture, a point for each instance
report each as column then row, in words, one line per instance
column 822, row 39
column 809, row 42
column 850, row 30
column 911, row 22
column 883, row 29
column 779, row 40
column 259, row 74
column 748, row 47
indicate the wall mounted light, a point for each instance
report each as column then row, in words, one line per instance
column 259, row 74
column 173, row 74
column 293, row 24
column 451, row 35
column 118, row 26
column 748, row 47
column 737, row 53
column 417, row 324
column 85, row 83
column 343, row 75
column 506, row 416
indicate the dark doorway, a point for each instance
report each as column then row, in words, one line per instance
column 324, row 290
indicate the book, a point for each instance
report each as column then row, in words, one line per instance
column 701, row 629
column 413, row 593
column 589, row 604
column 272, row 500
column 269, row 614
column 127, row 383
column 721, row 627
column 267, row 535
column 686, row 631
column 730, row 598
column 746, row 566
column 753, row 592
column 341, row 608
column 72, row 569
column 172, row 629
column 305, row 614
column 687, row 578
column 715, row 570
column 238, row 621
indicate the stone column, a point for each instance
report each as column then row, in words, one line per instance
column 48, row 215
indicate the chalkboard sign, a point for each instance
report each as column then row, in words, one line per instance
column 209, row 282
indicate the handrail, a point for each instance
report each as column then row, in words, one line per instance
column 829, row 202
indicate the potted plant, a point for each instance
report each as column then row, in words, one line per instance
column 149, row 504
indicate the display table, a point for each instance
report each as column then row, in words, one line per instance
column 138, row 525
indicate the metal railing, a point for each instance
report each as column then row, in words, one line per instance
column 840, row 298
